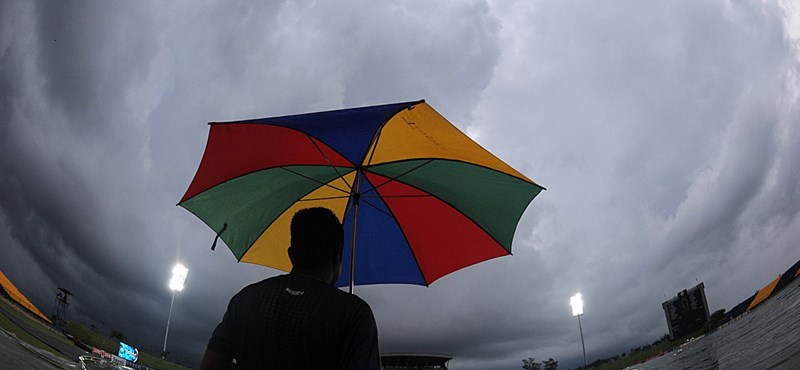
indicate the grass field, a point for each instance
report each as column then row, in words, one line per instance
column 23, row 335
column 80, row 332
column 111, row 345
column 645, row 354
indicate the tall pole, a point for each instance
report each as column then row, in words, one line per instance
column 582, row 345
column 577, row 310
column 164, row 350
column 175, row 284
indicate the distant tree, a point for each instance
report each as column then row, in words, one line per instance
column 717, row 318
column 550, row 364
column 531, row 364
column 660, row 340
column 118, row 335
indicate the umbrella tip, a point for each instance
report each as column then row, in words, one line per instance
column 414, row 105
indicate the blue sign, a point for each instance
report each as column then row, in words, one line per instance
column 127, row 352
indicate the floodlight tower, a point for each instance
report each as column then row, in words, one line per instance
column 60, row 322
column 577, row 310
column 179, row 273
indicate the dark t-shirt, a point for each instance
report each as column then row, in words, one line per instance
column 296, row 322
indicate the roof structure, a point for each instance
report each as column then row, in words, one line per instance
column 396, row 361
column 18, row 297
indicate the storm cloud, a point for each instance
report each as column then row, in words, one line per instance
column 666, row 133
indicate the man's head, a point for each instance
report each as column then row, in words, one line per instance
column 317, row 238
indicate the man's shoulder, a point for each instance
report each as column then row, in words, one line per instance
column 350, row 302
column 262, row 285
column 301, row 285
column 262, row 282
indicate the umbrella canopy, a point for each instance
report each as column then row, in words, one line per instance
column 418, row 199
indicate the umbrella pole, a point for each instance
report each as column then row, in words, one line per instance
column 356, row 197
column 353, row 245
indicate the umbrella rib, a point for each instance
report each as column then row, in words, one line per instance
column 377, row 208
column 374, row 146
column 404, row 196
column 455, row 160
column 330, row 163
column 395, row 178
column 374, row 143
column 390, row 214
column 322, row 198
column 315, row 180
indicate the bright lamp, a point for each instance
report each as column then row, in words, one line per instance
column 577, row 304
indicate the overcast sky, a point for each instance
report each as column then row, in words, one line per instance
column 666, row 133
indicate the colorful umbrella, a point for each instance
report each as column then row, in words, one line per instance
column 418, row 198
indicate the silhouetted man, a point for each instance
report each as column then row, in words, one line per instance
column 299, row 320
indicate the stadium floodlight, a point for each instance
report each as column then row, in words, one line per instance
column 577, row 304
column 179, row 273
column 577, row 310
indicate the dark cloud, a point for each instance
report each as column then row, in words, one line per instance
column 666, row 136
column 89, row 54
